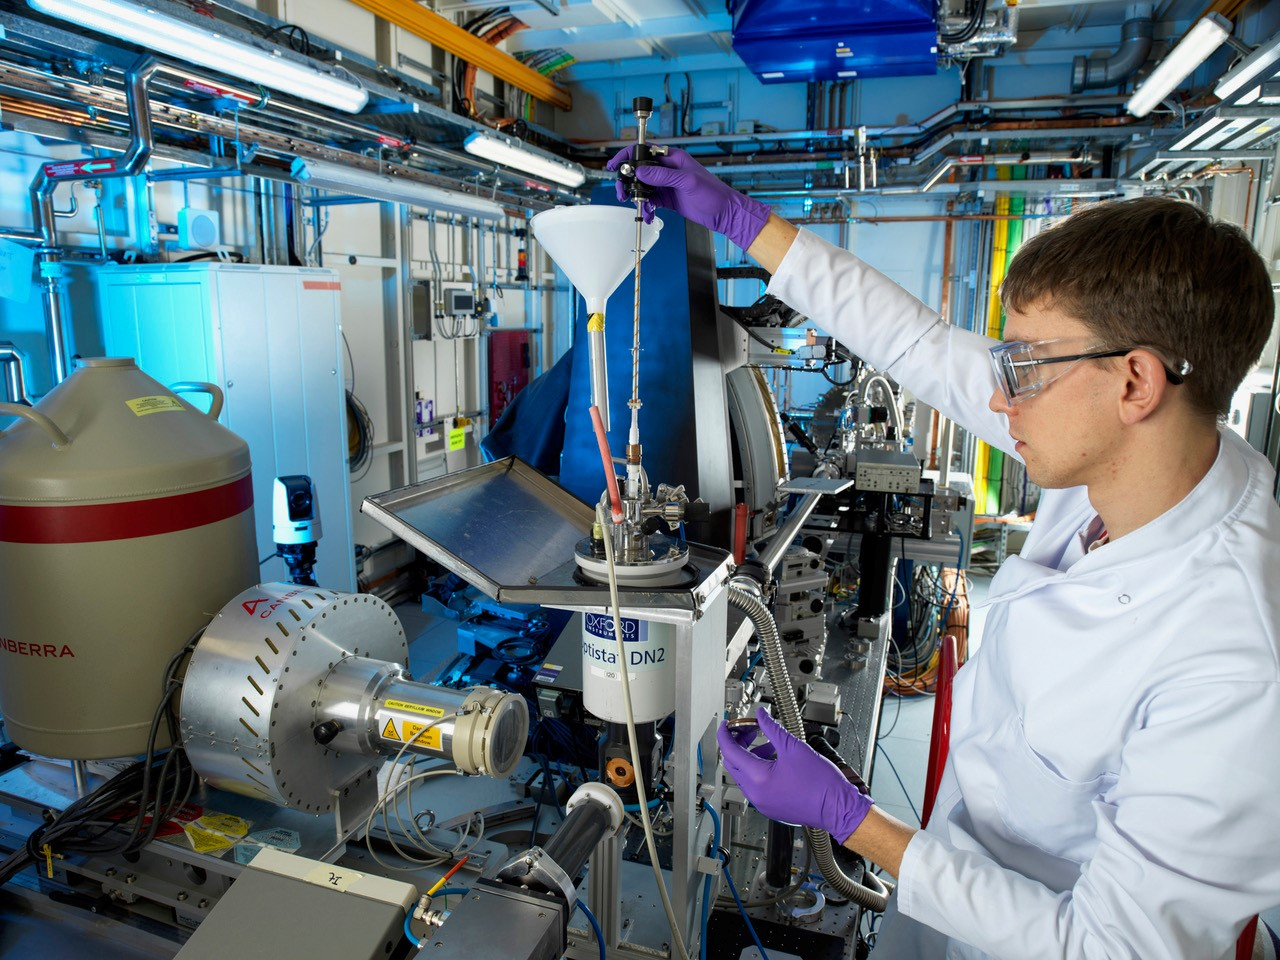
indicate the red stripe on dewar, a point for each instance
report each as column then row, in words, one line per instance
column 98, row 522
column 321, row 285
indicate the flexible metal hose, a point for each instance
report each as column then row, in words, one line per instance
column 784, row 697
column 890, row 401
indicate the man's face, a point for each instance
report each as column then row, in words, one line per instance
column 1067, row 434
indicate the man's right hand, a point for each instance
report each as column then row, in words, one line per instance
column 682, row 184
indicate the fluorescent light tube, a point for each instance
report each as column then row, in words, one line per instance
column 148, row 27
column 1252, row 69
column 511, row 153
column 380, row 186
column 1192, row 50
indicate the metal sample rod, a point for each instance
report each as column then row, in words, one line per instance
column 643, row 108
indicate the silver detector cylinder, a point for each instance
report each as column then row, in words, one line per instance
column 372, row 707
column 295, row 694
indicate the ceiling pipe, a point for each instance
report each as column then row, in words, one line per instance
column 928, row 124
column 1089, row 73
column 289, row 143
column 998, row 160
column 46, row 181
column 1071, row 188
column 836, row 165
column 930, row 218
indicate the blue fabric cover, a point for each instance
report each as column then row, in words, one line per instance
column 666, row 373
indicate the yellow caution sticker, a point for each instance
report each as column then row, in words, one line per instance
column 206, row 841
column 141, row 406
column 225, row 824
column 413, row 734
column 595, row 323
column 415, row 708
column 457, row 438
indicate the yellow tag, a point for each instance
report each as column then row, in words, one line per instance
column 206, row 841
column 224, row 823
column 457, row 439
column 430, row 739
column 144, row 405
column 48, row 859
column 414, row 708
column 595, row 323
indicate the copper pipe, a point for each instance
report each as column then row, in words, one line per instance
column 1228, row 8
column 933, row 442
column 495, row 36
column 30, row 108
column 947, row 245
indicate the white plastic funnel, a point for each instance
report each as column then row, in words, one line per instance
column 594, row 245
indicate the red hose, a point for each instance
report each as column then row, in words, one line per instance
column 740, row 532
column 610, row 477
column 940, row 739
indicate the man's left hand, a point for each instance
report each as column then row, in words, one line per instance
column 788, row 781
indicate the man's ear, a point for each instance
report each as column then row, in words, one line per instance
column 1145, row 385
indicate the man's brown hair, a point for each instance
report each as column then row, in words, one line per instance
column 1160, row 273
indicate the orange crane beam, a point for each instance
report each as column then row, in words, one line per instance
column 440, row 32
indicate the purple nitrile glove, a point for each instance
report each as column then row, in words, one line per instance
column 797, row 785
column 682, row 184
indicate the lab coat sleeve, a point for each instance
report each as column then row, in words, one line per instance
column 945, row 366
column 1188, row 846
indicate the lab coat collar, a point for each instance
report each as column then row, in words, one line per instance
column 1222, row 493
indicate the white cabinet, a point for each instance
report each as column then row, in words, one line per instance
column 271, row 338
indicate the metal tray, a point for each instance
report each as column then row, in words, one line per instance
column 510, row 531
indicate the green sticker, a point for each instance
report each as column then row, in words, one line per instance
column 457, row 438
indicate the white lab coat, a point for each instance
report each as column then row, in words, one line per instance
column 1113, row 785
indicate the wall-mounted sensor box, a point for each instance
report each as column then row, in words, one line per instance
column 459, row 302
column 198, row 229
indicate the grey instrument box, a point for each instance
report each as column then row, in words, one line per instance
column 288, row 906
column 887, row 471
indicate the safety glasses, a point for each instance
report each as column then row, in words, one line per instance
column 1025, row 367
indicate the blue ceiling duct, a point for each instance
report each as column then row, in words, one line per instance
column 786, row 41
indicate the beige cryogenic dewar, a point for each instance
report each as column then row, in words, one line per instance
column 126, row 522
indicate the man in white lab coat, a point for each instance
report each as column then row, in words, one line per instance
column 1113, row 780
